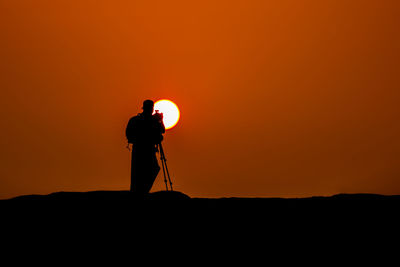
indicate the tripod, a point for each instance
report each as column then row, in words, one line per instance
column 164, row 167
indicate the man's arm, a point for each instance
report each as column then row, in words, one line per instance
column 159, row 131
column 162, row 127
column 130, row 130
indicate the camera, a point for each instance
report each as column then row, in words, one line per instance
column 159, row 116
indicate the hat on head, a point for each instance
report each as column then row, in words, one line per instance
column 148, row 103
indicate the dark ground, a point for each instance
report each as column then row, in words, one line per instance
column 176, row 206
column 356, row 225
column 175, row 200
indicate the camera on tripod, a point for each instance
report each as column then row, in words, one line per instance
column 159, row 116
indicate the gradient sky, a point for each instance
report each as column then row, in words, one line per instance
column 277, row 98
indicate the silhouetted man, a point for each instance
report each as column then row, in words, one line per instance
column 144, row 131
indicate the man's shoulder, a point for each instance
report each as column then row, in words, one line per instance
column 139, row 118
column 136, row 117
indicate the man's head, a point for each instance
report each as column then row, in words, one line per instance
column 148, row 107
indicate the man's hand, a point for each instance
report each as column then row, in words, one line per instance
column 159, row 116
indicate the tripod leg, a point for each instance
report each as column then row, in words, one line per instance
column 166, row 167
column 169, row 179
column 163, row 167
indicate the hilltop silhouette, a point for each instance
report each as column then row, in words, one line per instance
column 180, row 204
column 175, row 218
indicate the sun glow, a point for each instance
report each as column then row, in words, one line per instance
column 170, row 111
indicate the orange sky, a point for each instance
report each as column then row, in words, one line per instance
column 278, row 98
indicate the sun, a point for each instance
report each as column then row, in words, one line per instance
column 170, row 111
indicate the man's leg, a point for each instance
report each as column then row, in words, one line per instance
column 138, row 173
column 151, row 175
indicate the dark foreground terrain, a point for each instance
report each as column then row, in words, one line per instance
column 178, row 206
column 126, row 199
column 172, row 221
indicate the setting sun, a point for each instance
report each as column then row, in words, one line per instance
column 170, row 111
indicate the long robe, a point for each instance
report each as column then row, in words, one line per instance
column 144, row 132
column 144, row 169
